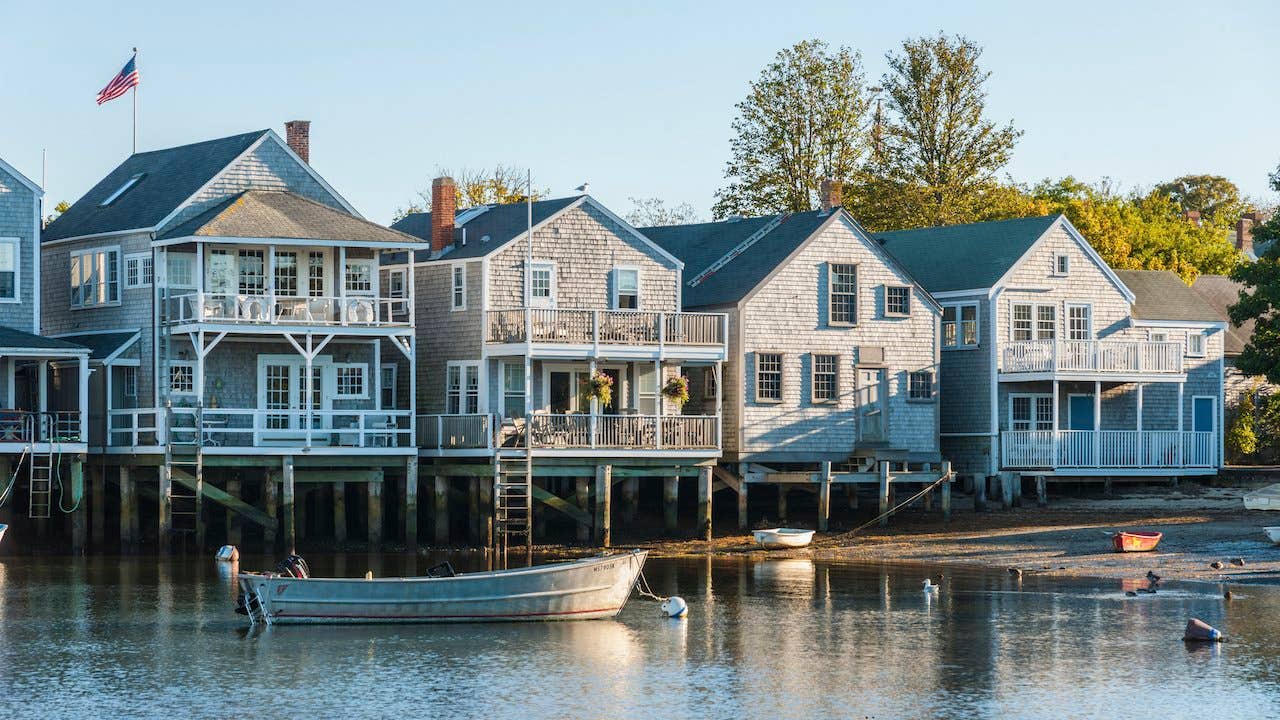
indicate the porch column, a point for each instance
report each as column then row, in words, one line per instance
column 595, row 408
column 1142, row 458
column 657, row 404
column 718, row 373
column 10, row 373
column 1181, row 410
column 1097, row 423
column 307, row 389
column 1053, row 444
column 43, row 399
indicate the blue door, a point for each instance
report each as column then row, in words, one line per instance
column 1080, row 412
column 1203, row 412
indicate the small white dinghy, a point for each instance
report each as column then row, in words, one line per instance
column 1273, row 533
column 780, row 538
column 586, row 589
column 3, row 527
column 1267, row 498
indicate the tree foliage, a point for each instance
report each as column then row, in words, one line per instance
column 803, row 120
column 652, row 212
column 1260, row 302
column 502, row 185
column 1216, row 198
column 1242, row 438
column 58, row 209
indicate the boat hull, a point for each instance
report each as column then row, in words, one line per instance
column 1273, row 533
column 3, row 528
column 1135, row 541
column 781, row 538
column 1267, row 498
column 587, row 589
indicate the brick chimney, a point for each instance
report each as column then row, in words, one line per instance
column 831, row 195
column 298, row 134
column 1193, row 217
column 1244, row 231
column 444, row 203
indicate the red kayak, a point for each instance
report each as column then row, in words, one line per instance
column 1141, row 541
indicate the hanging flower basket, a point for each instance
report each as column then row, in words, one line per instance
column 600, row 387
column 677, row 390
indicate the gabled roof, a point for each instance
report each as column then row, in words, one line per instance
column 965, row 257
column 11, row 170
column 1222, row 292
column 102, row 345
column 700, row 245
column 169, row 178
column 499, row 223
column 11, row 339
column 1161, row 295
column 284, row 215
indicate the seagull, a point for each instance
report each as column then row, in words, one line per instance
column 1016, row 572
column 1152, row 577
column 584, row 188
column 929, row 587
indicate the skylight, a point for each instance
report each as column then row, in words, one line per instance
column 123, row 189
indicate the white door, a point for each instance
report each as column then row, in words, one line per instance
column 872, row 418
column 283, row 389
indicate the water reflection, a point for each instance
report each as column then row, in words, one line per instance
column 769, row 638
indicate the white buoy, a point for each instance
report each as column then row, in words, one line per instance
column 228, row 553
column 674, row 607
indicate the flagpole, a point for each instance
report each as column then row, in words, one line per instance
column 135, row 105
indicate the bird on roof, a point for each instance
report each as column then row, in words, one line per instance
column 584, row 188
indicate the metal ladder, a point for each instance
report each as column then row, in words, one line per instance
column 40, row 490
column 182, row 456
column 513, row 497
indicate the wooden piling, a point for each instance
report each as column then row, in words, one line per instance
column 98, row 505
column 743, row 520
column 824, row 496
column 782, row 503
column 440, row 522
column 704, row 502
column 582, row 495
column 411, row 504
column 128, row 511
column 1006, row 489
column 486, row 507
column 232, row 518
column 851, row 494
column 287, row 506
column 884, row 491
column 630, row 499
column 1106, row 486
column 269, row 499
column 604, row 491
column 165, row 508
column 375, row 512
column 473, row 510
column 1042, row 491
column 670, row 503
column 300, row 500
column 339, row 512
column 80, row 517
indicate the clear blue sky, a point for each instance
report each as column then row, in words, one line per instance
column 637, row 98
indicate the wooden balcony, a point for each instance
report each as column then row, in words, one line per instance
column 610, row 332
column 1108, row 449
column 265, row 310
column 1093, row 358
column 228, row 431
column 24, row 427
column 469, row 433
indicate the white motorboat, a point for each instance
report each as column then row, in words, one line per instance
column 586, row 589
column 3, row 527
column 1273, row 533
column 1267, row 498
column 780, row 538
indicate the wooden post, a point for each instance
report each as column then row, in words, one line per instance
column 851, row 494
column 411, row 503
column 97, row 505
column 980, row 484
column 165, row 507
column 300, row 512
column 884, row 491
column 1007, row 479
column 743, row 519
column 340, row 512
column 233, row 518
column 128, row 511
column 79, row 518
column 582, row 493
column 287, row 500
column 824, row 496
column 782, row 503
column 6, row 472
column 473, row 509
column 375, row 511
column 269, row 496
column 441, row 507
column 946, row 491
column 1106, row 486
column 1042, row 491
column 670, row 503
column 630, row 499
column 486, row 508
column 704, row 502
column 604, row 491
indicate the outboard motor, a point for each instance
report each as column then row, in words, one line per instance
column 294, row 566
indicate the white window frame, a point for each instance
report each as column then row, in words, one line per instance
column 394, row 276
column 831, row 294
column 190, row 365
column 550, row 267
column 143, row 267
column 782, row 378
column 616, row 291
column 1157, row 336
column 77, row 298
column 513, row 370
column 1088, row 308
column 364, row 381
column 1059, row 260
column 16, row 244
column 959, row 323
column 906, row 302
column 129, row 382
column 181, row 257
column 1204, row 343
column 467, row 369
column 813, row 378
column 458, row 287
column 709, row 383
column 390, row 384
column 370, row 266
column 1035, row 321
column 1033, row 422
column 932, row 386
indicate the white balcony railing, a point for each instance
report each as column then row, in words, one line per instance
column 203, row 307
column 571, row 431
column 1091, row 356
column 255, row 427
column 605, row 327
column 456, row 432
column 1079, row 449
column 134, row 427
column 27, row 426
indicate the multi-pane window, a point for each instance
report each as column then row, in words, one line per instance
column 359, row 277
column 388, row 386
column 626, row 289
column 768, row 377
column 960, row 326
column 1061, row 265
column 542, row 284
column 95, row 277
column 513, row 390
column 1046, row 322
column 182, row 377
column 646, row 390
column 251, row 276
column 1195, row 344
column 277, row 384
column 920, row 385
column 287, row 273
column 1079, row 322
column 1031, row 412
column 1023, row 327
column 9, row 268
column 182, row 270
column 825, row 381
column 462, row 392
column 459, row 294
column 842, row 292
column 349, row 382
column 897, row 300
column 315, row 274
column 708, row 383
column 138, row 270
column 129, row 382
column 1034, row 322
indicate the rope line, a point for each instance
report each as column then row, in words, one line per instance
column 13, row 479
column 643, row 589
column 928, row 488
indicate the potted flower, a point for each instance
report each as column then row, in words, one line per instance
column 677, row 390
column 600, row 387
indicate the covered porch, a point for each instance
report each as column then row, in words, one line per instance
column 44, row 384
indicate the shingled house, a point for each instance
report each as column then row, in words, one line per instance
column 1222, row 292
column 1056, row 366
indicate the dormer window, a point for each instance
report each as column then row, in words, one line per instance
column 122, row 190
column 1061, row 265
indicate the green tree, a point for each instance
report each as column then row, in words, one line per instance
column 651, row 212
column 803, row 120
column 502, row 185
column 1260, row 302
column 1268, row 427
column 941, row 153
column 58, row 209
column 1242, row 439
column 1216, row 198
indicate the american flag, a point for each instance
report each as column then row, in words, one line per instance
column 120, row 84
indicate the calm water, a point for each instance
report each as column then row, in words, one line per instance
column 771, row 639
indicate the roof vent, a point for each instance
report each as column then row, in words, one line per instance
column 122, row 190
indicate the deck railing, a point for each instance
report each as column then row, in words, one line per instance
column 1091, row 356
column 26, row 426
column 134, row 427
column 256, row 427
column 456, row 432
column 604, row 327
column 233, row 308
column 626, row 432
column 1107, row 449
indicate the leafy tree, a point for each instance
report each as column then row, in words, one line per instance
column 1216, row 198
column 1242, row 439
column 651, row 212
column 941, row 154
column 502, row 185
column 802, row 121
column 1260, row 302
column 58, row 209
column 1268, row 427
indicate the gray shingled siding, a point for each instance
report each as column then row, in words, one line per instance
column 788, row 315
column 268, row 167
column 585, row 246
column 966, row 376
column 445, row 334
column 968, row 455
column 1237, row 384
column 18, row 220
